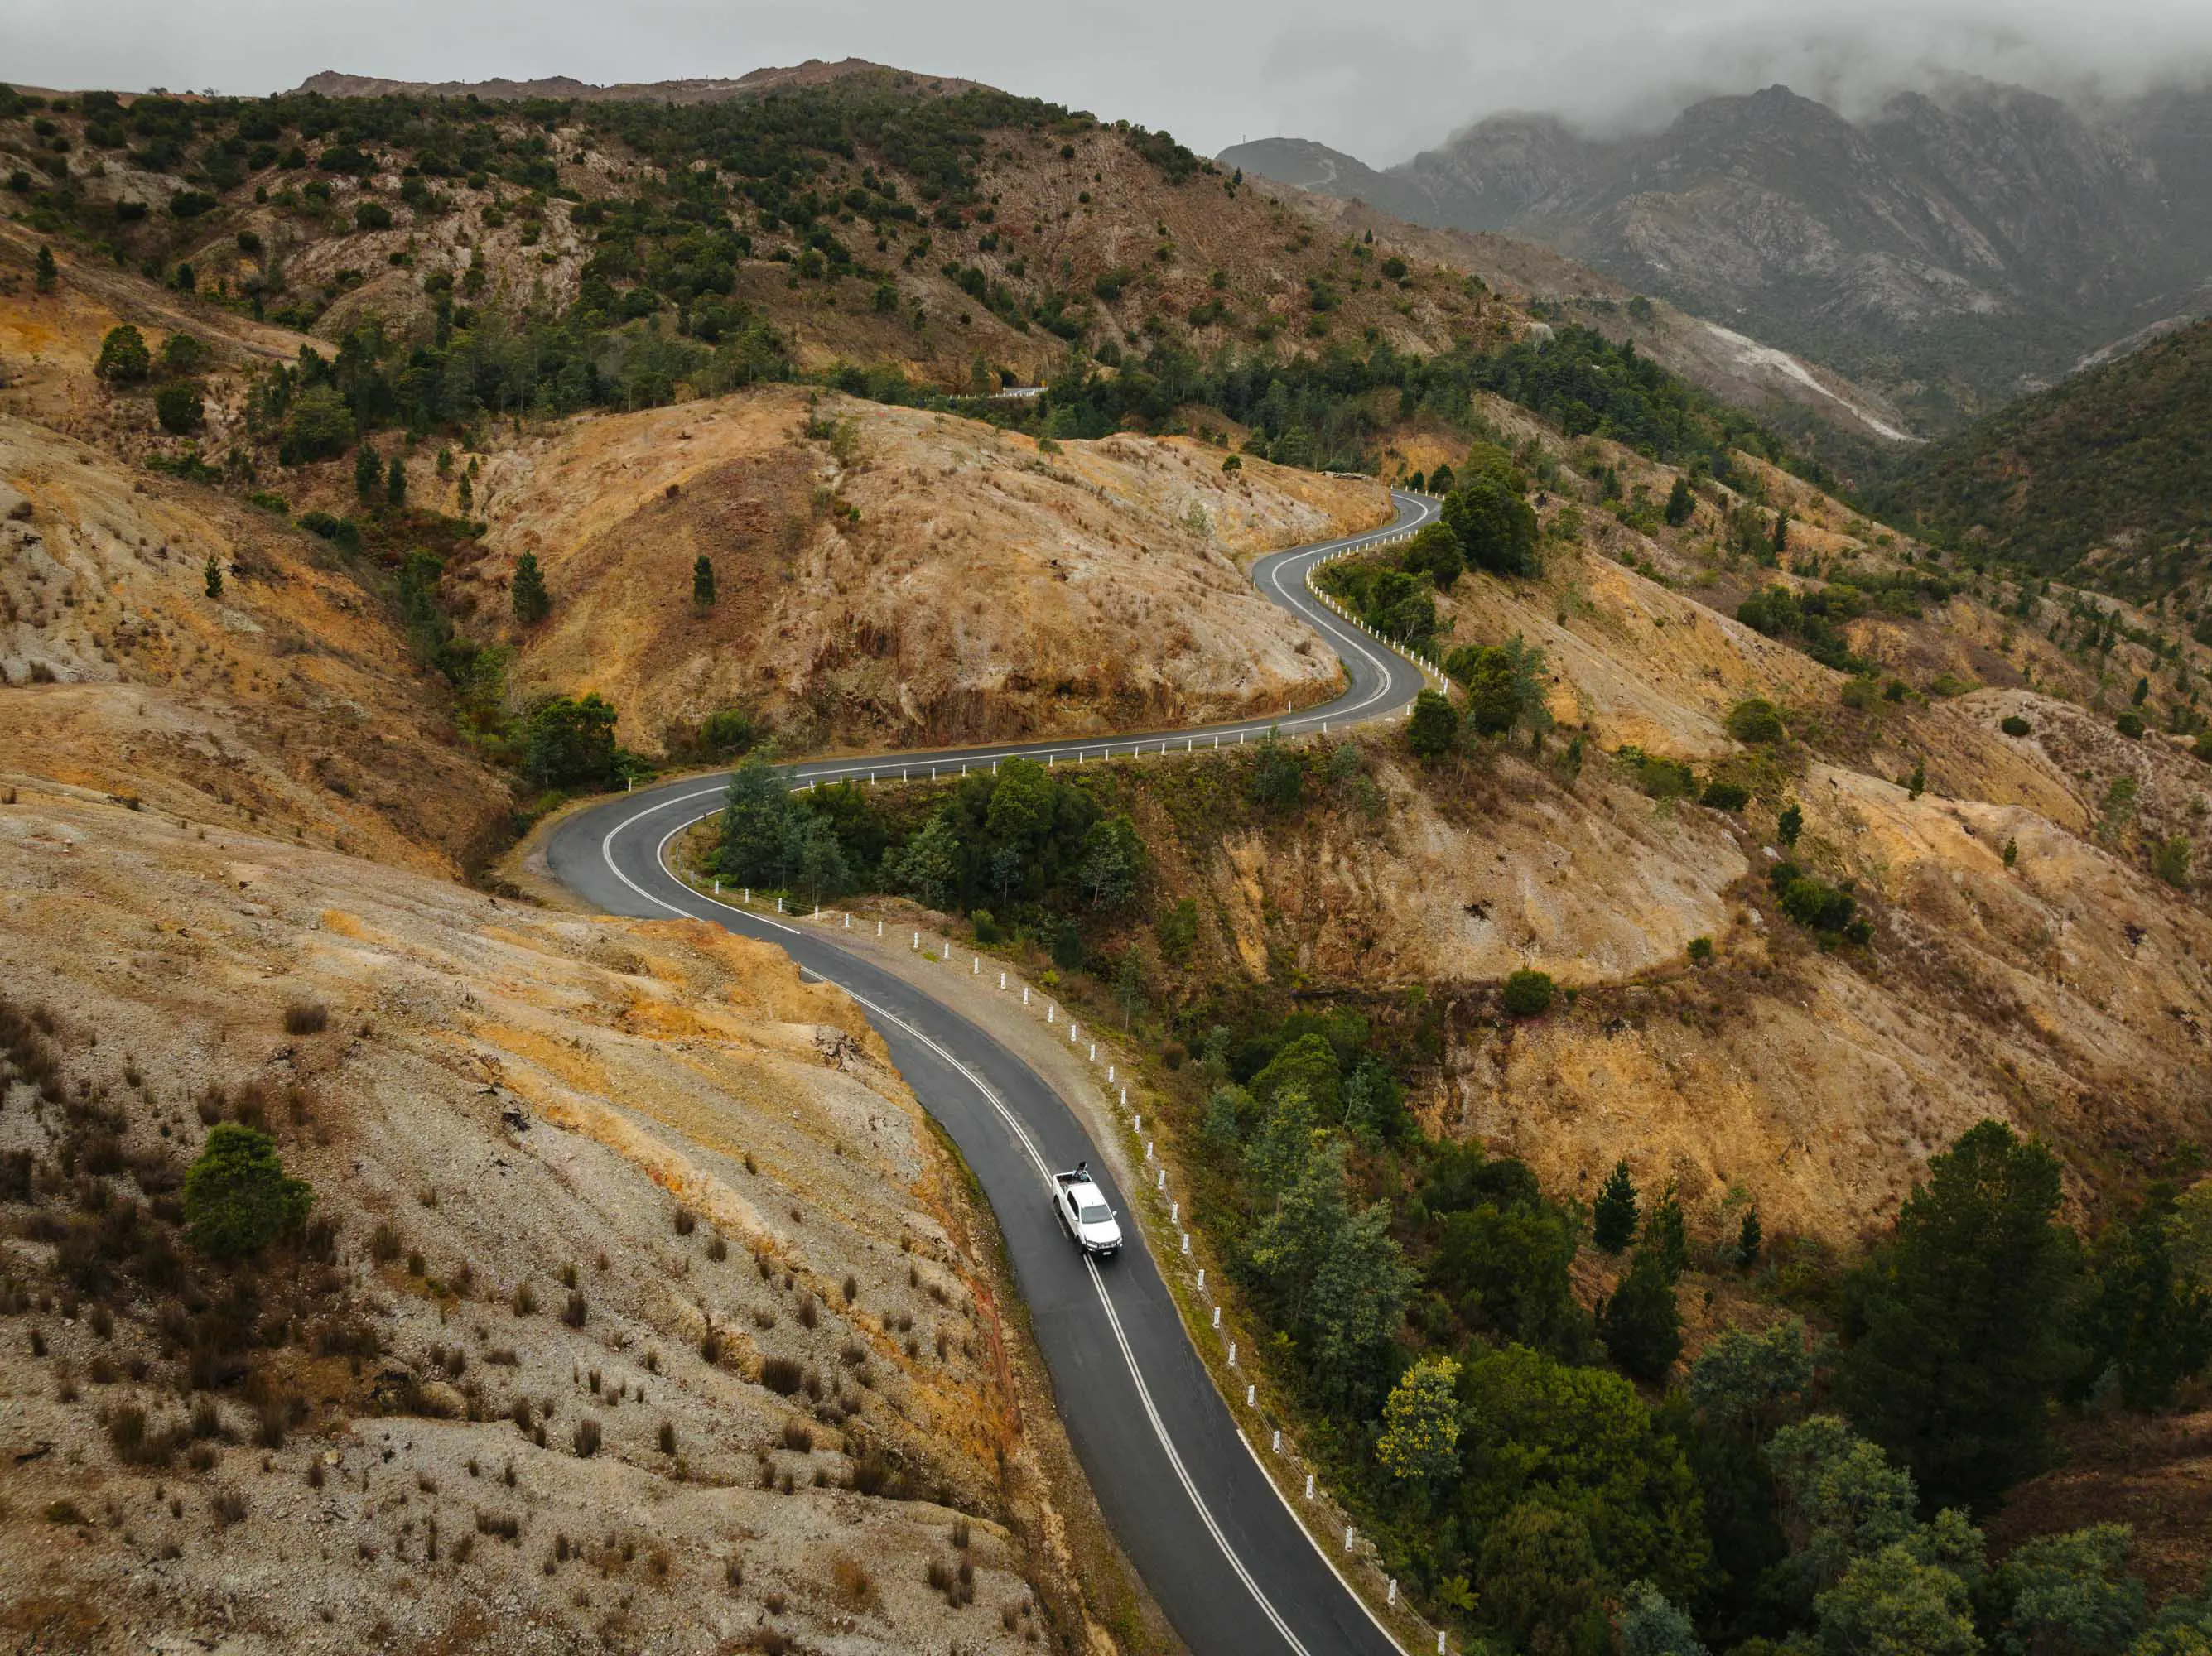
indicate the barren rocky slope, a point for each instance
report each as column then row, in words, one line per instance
column 903, row 578
column 640, row 1305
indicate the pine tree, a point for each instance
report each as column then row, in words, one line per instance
column 1614, row 1219
column 48, row 273
column 1640, row 1323
column 1962, row 1320
column 367, row 473
column 1747, row 1240
column 213, row 572
column 1781, row 532
column 468, row 495
column 702, row 583
column 1681, row 503
column 1666, row 1234
column 533, row 603
column 1790, row 824
column 395, row 482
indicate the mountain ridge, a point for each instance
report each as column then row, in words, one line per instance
column 1953, row 248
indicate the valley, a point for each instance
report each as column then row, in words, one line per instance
column 431, row 487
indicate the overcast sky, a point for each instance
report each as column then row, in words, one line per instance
column 1380, row 84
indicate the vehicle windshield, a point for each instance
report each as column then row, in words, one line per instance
column 1093, row 1213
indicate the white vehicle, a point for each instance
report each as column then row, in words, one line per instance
column 1083, row 1214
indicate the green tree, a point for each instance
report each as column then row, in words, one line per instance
column 1434, row 551
column 1666, row 1233
column 927, row 867
column 1023, row 801
column 1897, row 1603
column 1419, row 1441
column 1748, row 1239
column 1958, row 1324
column 318, row 426
column 1129, row 985
column 1647, row 1623
column 1577, row 1440
column 1680, row 502
column 1308, row 1066
column 211, row 576
column 49, row 274
column 2069, row 1595
column 2143, row 1320
column 1335, row 1277
column 1430, row 730
column 1541, row 1581
column 183, row 353
column 124, row 359
column 1640, row 1323
column 569, row 743
column 1841, row 1497
column 1748, row 1379
column 756, row 824
column 237, row 1198
column 1509, row 1267
column 819, row 858
column 1113, row 863
column 395, row 482
column 1612, row 1220
column 1279, row 775
column 2141, row 694
column 178, row 406
column 527, row 591
column 1790, row 824
column 1495, row 527
column 702, row 583
column 367, row 473
column 1781, row 532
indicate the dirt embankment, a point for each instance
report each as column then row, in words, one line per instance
column 903, row 577
column 652, row 1311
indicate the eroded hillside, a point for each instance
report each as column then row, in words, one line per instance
column 891, row 576
column 289, row 701
column 638, row 1301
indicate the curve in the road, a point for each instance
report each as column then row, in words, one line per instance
column 1216, row 1541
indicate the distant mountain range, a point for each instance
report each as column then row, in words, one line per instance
column 1952, row 251
column 813, row 72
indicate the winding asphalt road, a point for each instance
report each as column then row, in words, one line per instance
column 1185, row 1493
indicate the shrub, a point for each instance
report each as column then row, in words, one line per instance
column 1429, row 732
column 178, row 407
column 1528, row 994
column 586, row 1438
column 575, row 1312
column 237, row 1198
column 782, row 1375
column 2170, row 858
column 2013, row 724
column 1725, row 796
column 306, row 1018
column 2130, row 724
column 384, row 1242
column 1754, row 720
column 371, row 215
column 685, row 1220
column 1700, row 952
column 524, row 1302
